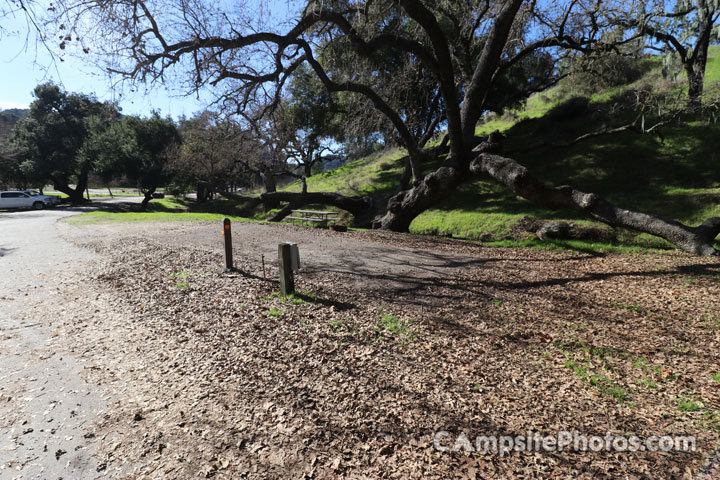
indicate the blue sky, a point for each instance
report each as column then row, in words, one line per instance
column 24, row 65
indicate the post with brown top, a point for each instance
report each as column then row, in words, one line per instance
column 287, row 281
column 227, row 233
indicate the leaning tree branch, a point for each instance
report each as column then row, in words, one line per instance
column 354, row 205
column 697, row 240
column 357, row 206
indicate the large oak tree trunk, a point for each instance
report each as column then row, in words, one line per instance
column 696, row 84
column 268, row 178
column 75, row 195
column 148, row 196
column 405, row 206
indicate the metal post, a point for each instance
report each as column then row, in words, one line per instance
column 227, row 233
column 287, row 282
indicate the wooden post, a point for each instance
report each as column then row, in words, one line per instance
column 227, row 233
column 287, row 282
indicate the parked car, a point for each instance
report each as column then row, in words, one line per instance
column 52, row 199
column 24, row 199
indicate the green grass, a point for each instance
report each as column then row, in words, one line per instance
column 298, row 298
column 716, row 376
column 96, row 217
column 345, row 325
column 396, row 326
column 648, row 382
column 604, row 385
column 594, row 365
column 686, row 404
column 275, row 313
column 632, row 307
column 169, row 203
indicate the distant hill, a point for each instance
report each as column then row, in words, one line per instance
column 8, row 119
column 14, row 111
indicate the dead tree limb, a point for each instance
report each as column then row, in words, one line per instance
column 357, row 206
column 697, row 240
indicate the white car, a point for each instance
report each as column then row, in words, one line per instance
column 27, row 199
column 52, row 200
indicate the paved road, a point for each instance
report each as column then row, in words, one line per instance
column 45, row 406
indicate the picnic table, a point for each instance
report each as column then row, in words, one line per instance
column 312, row 216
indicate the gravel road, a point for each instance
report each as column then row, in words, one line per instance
column 45, row 406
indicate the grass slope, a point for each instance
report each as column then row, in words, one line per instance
column 679, row 177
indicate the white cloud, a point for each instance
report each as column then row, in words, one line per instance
column 4, row 105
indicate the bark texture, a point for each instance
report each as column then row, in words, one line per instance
column 408, row 204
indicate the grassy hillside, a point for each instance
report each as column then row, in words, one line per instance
column 678, row 177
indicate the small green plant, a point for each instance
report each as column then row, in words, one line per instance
column 579, row 370
column 640, row 362
column 179, row 274
column 648, row 382
column 179, row 277
column 275, row 313
column 633, row 308
column 346, row 324
column 295, row 298
column 716, row 377
column 497, row 302
column 619, row 394
column 712, row 418
column 604, row 385
column 273, row 295
column 688, row 404
column 306, row 294
column 396, row 326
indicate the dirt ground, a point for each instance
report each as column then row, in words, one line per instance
column 391, row 339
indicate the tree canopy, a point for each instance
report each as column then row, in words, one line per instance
column 50, row 138
column 136, row 149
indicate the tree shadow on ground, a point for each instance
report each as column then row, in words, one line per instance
column 425, row 278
